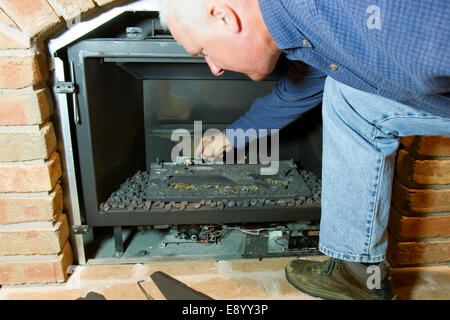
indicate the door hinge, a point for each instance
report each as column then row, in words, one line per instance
column 64, row 87
column 80, row 229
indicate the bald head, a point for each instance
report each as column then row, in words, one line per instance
column 185, row 12
column 230, row 34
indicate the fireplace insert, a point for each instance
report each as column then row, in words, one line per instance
column 131, row 87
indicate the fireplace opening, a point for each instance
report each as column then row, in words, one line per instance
column 131, row 87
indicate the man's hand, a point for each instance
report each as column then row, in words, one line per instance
column 213, row 147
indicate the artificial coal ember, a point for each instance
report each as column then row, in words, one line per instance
column 133, row 194
column 314, row 182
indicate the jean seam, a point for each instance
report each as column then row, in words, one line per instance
column 351, row 257
column 374, row 204
column 391, row 117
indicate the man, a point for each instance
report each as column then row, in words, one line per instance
column 382, row 71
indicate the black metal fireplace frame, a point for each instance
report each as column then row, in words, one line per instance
column 148, row 51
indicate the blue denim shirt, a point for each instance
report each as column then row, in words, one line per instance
column 396, row 49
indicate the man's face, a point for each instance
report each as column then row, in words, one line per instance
column 222, row 52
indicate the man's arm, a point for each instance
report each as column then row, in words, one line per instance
column 296, row 93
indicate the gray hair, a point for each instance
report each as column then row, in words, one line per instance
column 188, row 13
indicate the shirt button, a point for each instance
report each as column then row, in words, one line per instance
column 333, row 67
column 305, row 42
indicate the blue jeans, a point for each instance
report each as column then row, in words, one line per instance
column 360, row 140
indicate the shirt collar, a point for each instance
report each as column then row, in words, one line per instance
column 279, row 23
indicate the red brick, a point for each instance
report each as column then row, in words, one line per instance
column 25, row 107
column 70, row 9
column 31, row 207
column 34, row 238
column 27, row 143
column 35, row 16
column 32, row 176
column 6, row 42
column 10, row 35
column 420, row 200
column 413, row 228
column 428, row 145
column 412, row 172
column 402, row 254
column 5, row 19
column 36, row 269
column 18, row 72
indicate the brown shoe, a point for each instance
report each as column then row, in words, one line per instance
column 341, row 280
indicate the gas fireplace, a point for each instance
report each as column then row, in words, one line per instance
column 129, row 86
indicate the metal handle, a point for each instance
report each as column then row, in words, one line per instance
column 76, row 110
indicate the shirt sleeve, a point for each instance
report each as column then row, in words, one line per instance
column 300, row 90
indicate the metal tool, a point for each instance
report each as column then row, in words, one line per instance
column 143, row 291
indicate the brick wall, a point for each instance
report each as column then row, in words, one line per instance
column 419, row 224
column 34, row 246
column 34, row 232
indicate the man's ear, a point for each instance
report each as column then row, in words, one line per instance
column 222, row 15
